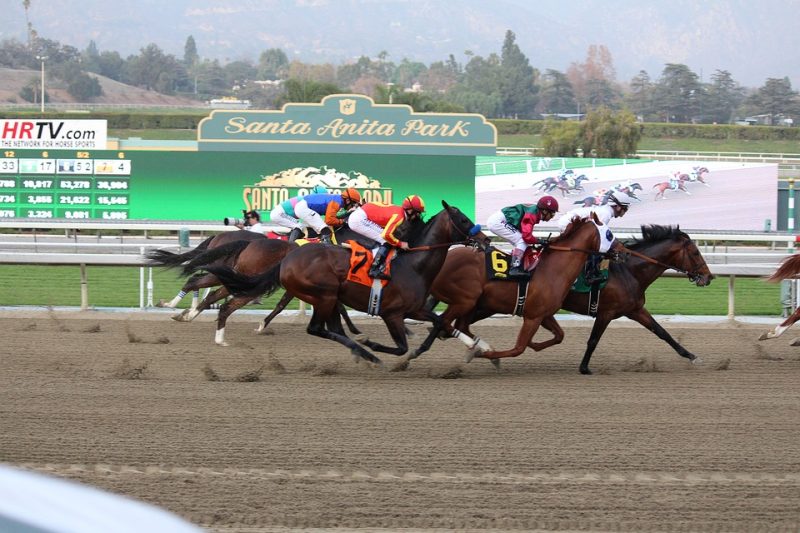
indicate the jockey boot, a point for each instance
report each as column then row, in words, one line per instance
column 377, row 270
column 325, row 235
column 295, row 234
column 591, row 272
column 516, row 270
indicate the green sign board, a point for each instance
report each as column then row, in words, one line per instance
column 386, row 152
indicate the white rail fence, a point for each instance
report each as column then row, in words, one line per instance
column 718, row 249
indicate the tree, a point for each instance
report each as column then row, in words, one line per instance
column 273, row 64
column 561, row 138
column 84, row 87
column 723, row 96
column 556, row 94
column 306, row 91
column 517, row 87
column 190, row 56
column 594, row 80
column 640, row 96
column 601, row 93
column 677, row 93
column 154, row 70
column 607, row 134
column 776, row 97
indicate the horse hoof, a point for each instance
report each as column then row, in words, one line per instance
column 585, row 371
column 223, row 344
column 495, row 364
column 697, row 361
column 795, row 342
column 361, row 338
column 402, row 366
column 764, row 336
column 180, row 317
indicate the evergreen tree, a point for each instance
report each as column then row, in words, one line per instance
column 190, row 56
column 556, row 94
column 517, row 87
column 678, row 93
column 273, row 64
column 723, row 96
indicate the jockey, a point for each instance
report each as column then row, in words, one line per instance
column 311, row 209
column 515, row 224
column 380, row 222
column 616, row 206
column 283, row 214
column 252, row 222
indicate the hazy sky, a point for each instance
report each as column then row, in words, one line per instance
column 752, row 40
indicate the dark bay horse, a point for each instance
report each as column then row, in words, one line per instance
column 317, row 274
column 789, row 269
column 250, row 259
column 165, row 258
column 660, row 248
column 468, row 293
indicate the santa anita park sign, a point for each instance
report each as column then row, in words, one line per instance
column 255, row 160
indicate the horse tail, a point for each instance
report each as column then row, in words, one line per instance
column 238, row 284
column 229, row 250
column 789, row 268
column 171, row 259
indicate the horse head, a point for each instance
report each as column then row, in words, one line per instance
column 679, row 252
column 465, row 229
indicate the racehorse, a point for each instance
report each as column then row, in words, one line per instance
column 568, row 185
column 696, row 174
column 546, row 185
column 250, row 259
column 318, row 275
column 661, row 248
column 165, row 258
column 671, row 185
column 628, row 188
column 467, row 292
column 789, row 269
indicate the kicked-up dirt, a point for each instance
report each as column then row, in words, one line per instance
column 286, row 431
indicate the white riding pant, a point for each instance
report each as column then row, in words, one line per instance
column 278, row 216
column 497, row 224
column 359, row 223
column 309, row 216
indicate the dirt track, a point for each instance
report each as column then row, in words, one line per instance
column 152, row 409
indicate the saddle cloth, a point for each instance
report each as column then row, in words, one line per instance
column 361, row 261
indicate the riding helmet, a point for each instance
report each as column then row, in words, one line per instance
column 414, row 203
column 547, row 202
column 619, row 198
column 319, row 189
column 352, row 195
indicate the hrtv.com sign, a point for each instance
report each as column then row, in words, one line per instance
column 53, row 134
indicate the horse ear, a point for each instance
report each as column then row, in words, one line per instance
column 595, row 219
column 444, row 204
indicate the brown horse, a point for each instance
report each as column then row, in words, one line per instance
column 559, row 265
column 250, row 259
column 661, row 248
column 165, row 258
column 789, row 269
column 671, row 185
column 318, row 275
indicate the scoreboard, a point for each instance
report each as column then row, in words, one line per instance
column 80, row 187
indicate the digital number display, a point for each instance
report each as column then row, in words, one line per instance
column 76, row 187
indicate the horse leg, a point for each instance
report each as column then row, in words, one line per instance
column 188, row 286
column 551, row 324
column 280, row 306
column 643, row 317
column 783, row 326
column 187, row 315
column 526, row 333
column 316, row 327
column 397, row 330
column 347, row 320
column 225, row 311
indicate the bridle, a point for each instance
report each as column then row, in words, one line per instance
column 694, row 274
column 469, row 238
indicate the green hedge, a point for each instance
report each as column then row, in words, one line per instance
column 126, row 120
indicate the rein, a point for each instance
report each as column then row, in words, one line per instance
column 570, row 249
column 433, row 246
column 691, row 275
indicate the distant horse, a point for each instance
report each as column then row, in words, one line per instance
column 789, row 269
column 568, row 185
column 468, row 292
column 165, row 258
column 661, row 248
column 589, row 201
column 318, row 275
column 696, row 174
column 546, row 185
column 671, row 185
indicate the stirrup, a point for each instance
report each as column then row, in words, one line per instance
column 517, row 272
column 378, row 273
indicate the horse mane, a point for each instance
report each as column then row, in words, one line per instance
column 573, row 226
column 654, row 233
column 790, row 267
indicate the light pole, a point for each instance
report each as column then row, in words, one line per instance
column 42, row 58
column 390, row 86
